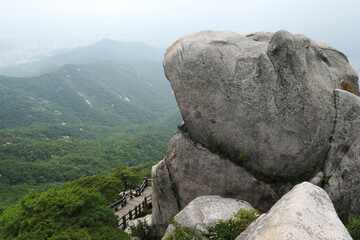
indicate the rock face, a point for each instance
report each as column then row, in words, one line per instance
column 270, row 94
column 274, row 95
column 306, row 212
column 343, row 164
column 190, row 170
column 205, row 211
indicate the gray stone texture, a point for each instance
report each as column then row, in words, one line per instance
column 274, row 95
column 318, row 179
column 267, row 93
column 195, row 171
column 135, row 222
column 304, row 213
column 205, row 211
column 343, row 164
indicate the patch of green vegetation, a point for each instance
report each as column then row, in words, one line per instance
column 140, row 231
column 109, row 187
column 175, row 190
column 147, row 210
column 326, row 178
column 215, row 147
column 353, row 226
column 81, row 120
column 40, row 158
column 103, row 93
column 310, row 172
column 257, row 171
column 241, row 158
column 76, row 210
column 183, row 127
column 343, row 215
column 61, row 213
column 183, row 233
column 230, row 229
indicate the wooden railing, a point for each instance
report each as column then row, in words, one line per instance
column 135, row 213
column 128, row 195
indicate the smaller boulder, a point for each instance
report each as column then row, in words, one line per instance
column 205, row 211
column 135, row 222
column 306, row 212
column 318, row 179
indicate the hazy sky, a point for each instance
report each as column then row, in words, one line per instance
column 161, row 22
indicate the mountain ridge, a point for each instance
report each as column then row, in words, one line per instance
column 105, row 49
column 108, row 87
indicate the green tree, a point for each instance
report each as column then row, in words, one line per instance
column 61, row 213
column 127, row 176
column 109, row 187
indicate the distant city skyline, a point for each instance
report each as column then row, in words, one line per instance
column 42, row 26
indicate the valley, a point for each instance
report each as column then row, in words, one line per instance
column 82, row 119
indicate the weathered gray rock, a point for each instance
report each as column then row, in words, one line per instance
column 164, row 203
column 194, row 171
column 269, row 94
column 205, row 211
column 135, row 222
column 347, row 128
column 306, row 212
column 343, row 164
column 318, row 179
column 344, row 185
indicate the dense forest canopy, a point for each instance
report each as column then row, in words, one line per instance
column 83, row 119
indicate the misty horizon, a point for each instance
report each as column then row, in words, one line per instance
column 37, row 28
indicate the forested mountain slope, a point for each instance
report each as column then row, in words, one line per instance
column 109, row 93
column 80, row 120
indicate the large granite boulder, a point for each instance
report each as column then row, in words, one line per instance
column 343, row 164
column 270, row 94
column 205, row 211
column 190, row 170
column 306, row 212
column 274, row 95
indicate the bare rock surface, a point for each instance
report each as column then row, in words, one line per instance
column 306, row 212
column 135, row 222
column 205, row 211
column 343, row 163
column 267, row 93
column 344, row 185
column 347, row 128
column 275, row 95
column 190, row 170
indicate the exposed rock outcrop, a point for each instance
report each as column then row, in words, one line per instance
column 343, row 164
column 205, row 211
column 190, row 170
column 147, row 219
column 274, row 95
column 267, row 93
column 347, row 128
column 306, row 212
